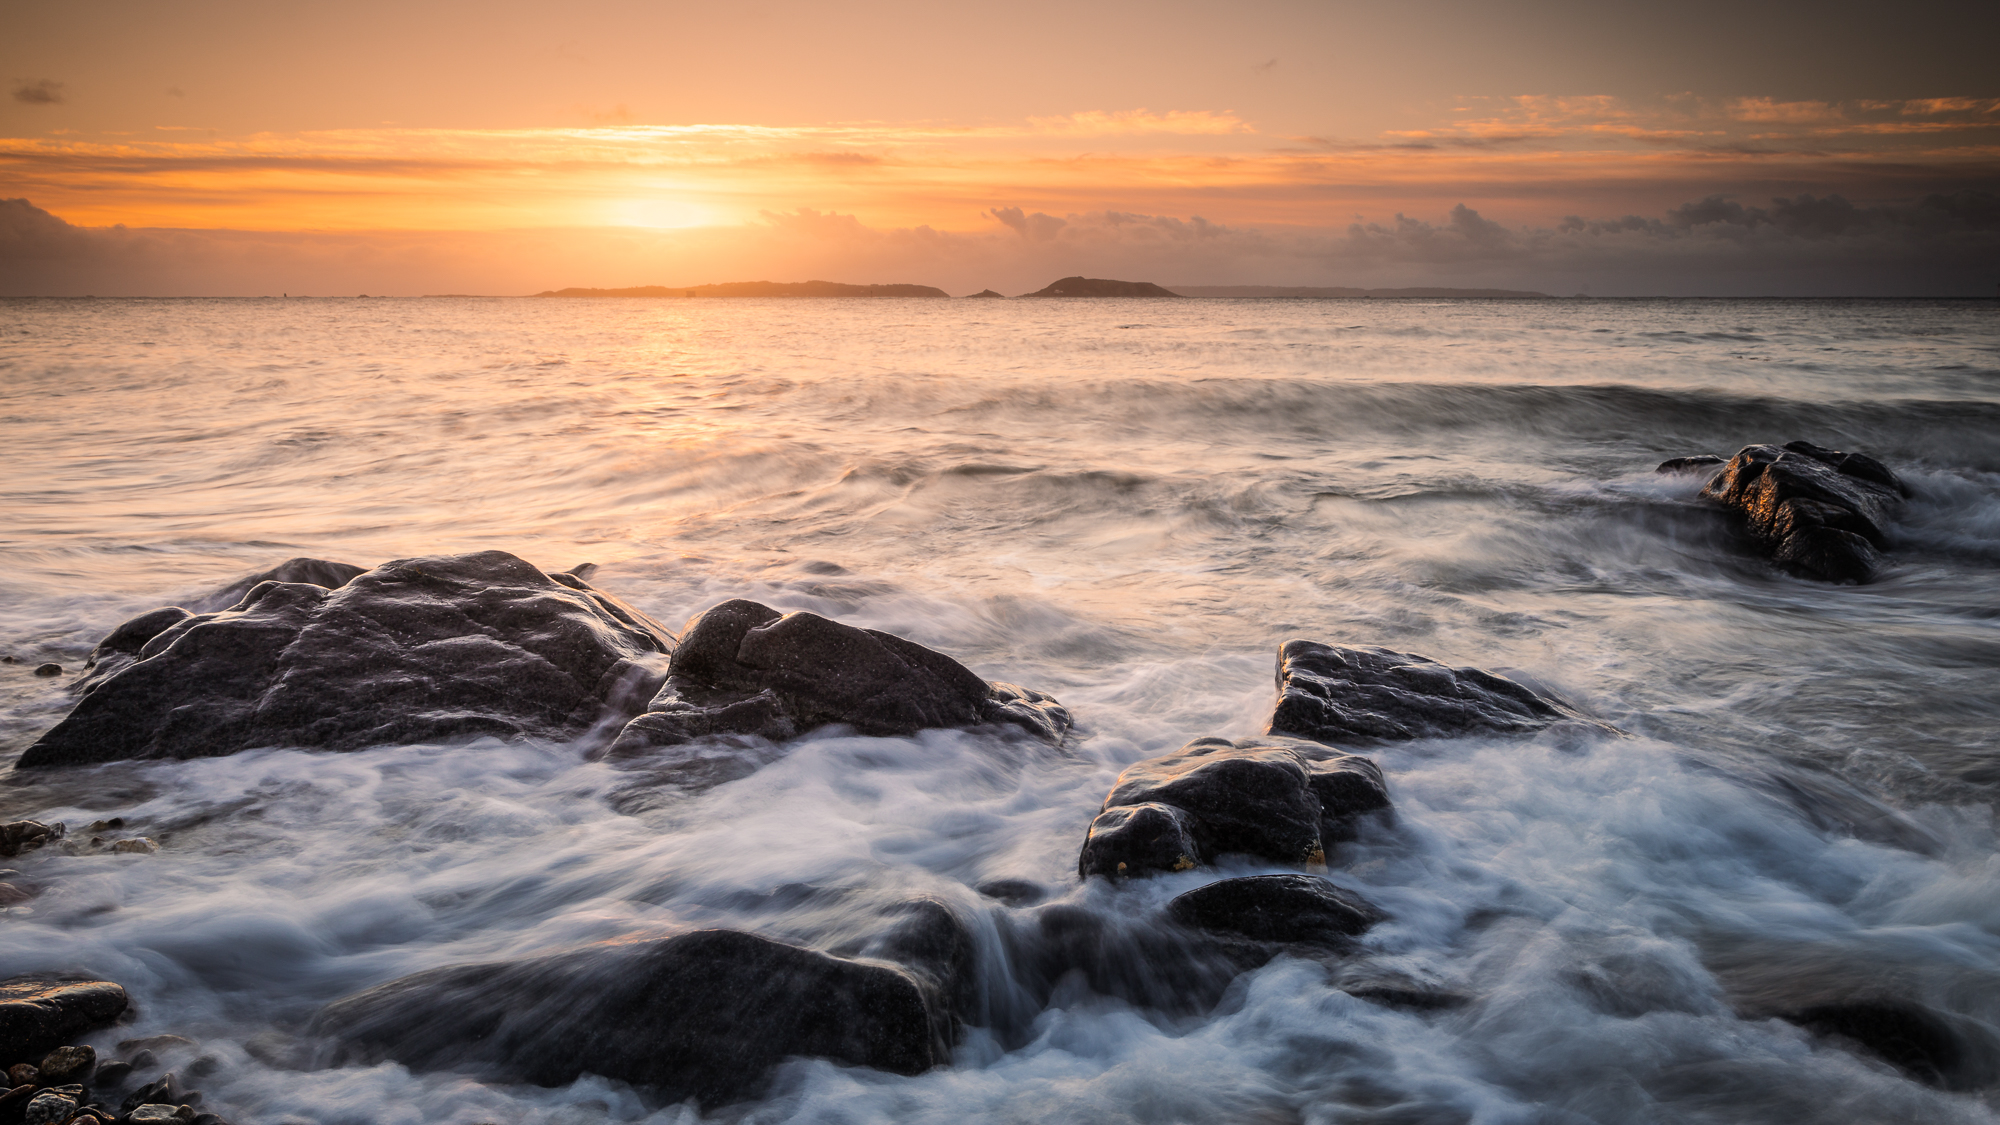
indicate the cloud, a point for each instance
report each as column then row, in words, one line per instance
column 1034, row 228
column 40, row 92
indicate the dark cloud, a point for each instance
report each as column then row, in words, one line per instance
column 39, row 92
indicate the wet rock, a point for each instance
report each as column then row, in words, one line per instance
column 1698, row 463
column 23, row 1074
column 12, row 895
column 1293, row 909
column 39, row 1013
column 48, row 670
column 1275, row 798
column 317, row 572
column 1342, row 694
column 137, row 845
column 1816, row 512
column 414, row 650
column 48, row 1108
column 1915, row 1040
column 160, row 1112
column 1129, row 956
column 703, row 1015
column 1013, row 892
column 745, row 669
column 65, row 1065
column 27, row 835
column 166, row 1091
column 152, row 1043
column 111, row 1075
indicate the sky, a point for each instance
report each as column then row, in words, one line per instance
column 218, row 147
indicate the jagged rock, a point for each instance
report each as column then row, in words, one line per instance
column 39, row 1013
column 1275, row 798
column 1293, row 909
column 1343, row 694
column 414, row 650
column 1816, row 512
column 65, row 1065
column 27, row 835
column 743, row 668
column 702, row 1015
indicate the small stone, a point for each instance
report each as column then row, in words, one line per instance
column 111, row 1075
column 136, row 845
column 49, row 670
column 23, row 1074
column 68, row 1064
column 10, row 660
column 106, row 825
column 48, row 1108
column 155, row 1111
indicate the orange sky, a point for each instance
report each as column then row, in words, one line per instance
column 1278, row 123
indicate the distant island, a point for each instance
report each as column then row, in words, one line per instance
column 1342, row 291
column 757, row 289
column 1100, row 287
column 986, row 294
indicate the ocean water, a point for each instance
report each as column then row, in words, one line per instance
column 1128, row 504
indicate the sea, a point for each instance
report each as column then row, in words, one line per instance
column 1129, row 504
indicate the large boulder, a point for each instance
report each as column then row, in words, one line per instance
column 1349, row 694
column 703, row 1015
column 413, row 650
column 39, row 1013
column 744, row 668
column 1279, row 799
column 1816, row 512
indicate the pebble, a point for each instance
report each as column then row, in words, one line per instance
column 136, row 845
column 68, row 1064
column 49, row 670
column 48, row 1108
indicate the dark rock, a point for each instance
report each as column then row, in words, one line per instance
column 13, row 1101
column 27, row 835
column 412, row 651
column 39, row 1013
column 1699, row 463
column 13, row 895
column 1125, row 955
column 153, row 1043
column 1910, row 1037
column 144, row 1060
column 111, row 1075
column 166, row 1091
column 48, row 670
column 316, row 572
column 703, row 1015
column 745, row 669
column 1342, row 694
column 1100, row 287
column 1013, row 892
column 1276, row 798
column 1281, row 908
column 23, row 1074
column 65, row 1065
column 1816, row 512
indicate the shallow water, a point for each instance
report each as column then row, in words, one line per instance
column 1128, row 504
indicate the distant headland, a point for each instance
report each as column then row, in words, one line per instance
column 1100, row 287
column 1337, row 291
column 757, row 289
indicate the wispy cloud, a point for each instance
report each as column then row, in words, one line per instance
column 39, row 92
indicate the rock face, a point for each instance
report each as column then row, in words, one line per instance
column 1100, row 287
column 1274, row 798
column 39, row 1013
column 1294, row 909
column 703, row 1015
column 1816, row 512
column 416, row 649
column 1338, row 694
column 744, row 668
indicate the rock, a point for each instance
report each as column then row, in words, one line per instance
column 1100, row 287
column 702, row 1015
column 23, row 1074
column 39, row 1013
column 159, row 1111
column 166, row 1091
column 27, row 835
column 48, row 670
column 1126, row 955
column 1913, row 1039
column 317, row 572
column 988, row 293
column 414, row 650
column 1275, row 798
column 137, row 845
column 49, row 1108
column 111, row 1075
column 154, row 1043
column 1816, row 512
column 745, row 669
column 1013, row 892
column 11, row 895
column 1342, row 694
column 65, row 1065
column 1294, row 909
column 1700, row 462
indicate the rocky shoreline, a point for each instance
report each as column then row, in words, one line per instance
column 335, row 657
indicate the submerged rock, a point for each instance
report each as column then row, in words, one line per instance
column 1343, row 694
column 1816, row 512
column 27, row 835
column 1294, row 909
column 743, row 668
column 39, row 1013
column 414, row 650
column 1274, row 798
column 703, row 1015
